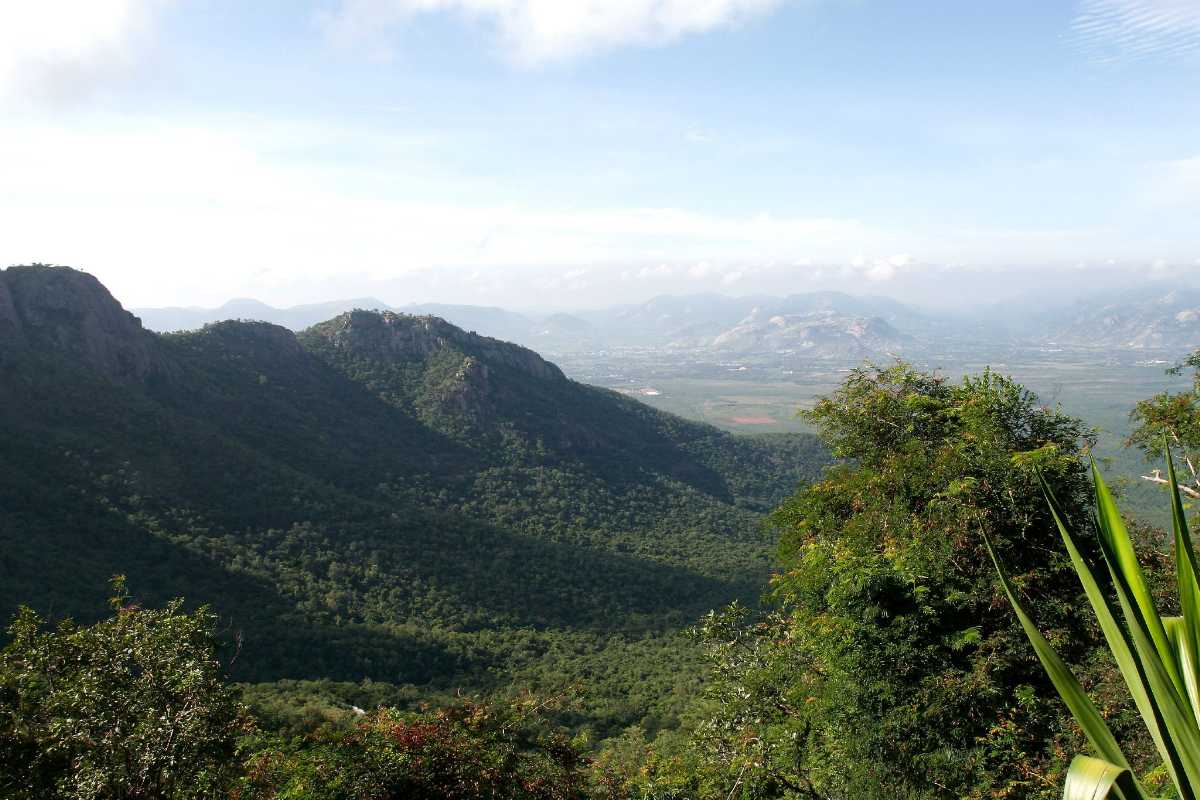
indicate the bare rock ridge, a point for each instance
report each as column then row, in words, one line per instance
column 387, row 335
column 71, row 313
column 825, row 332
column 1168, row 320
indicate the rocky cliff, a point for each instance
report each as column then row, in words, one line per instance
column 62, row 310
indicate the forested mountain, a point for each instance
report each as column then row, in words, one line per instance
column 383, row 495
column 829, row 324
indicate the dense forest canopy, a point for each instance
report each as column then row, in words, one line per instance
column 383, row 497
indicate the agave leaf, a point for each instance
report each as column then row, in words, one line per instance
column 1120, row 646
column 1082, row 708
column 1188, row 578
column 1122, row 557
column 1177, row 633
column 1095, row 779
column 1182, row 737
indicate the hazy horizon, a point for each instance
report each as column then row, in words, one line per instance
column 1069, row 289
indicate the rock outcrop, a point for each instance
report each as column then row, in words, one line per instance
column 388, row 335
column 70, row 313
column 821, row 334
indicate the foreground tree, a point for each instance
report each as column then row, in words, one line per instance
column 131, row 707
column 888, row 665
column 469, row 751
column 1174, row 418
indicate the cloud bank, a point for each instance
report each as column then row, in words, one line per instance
column 538, row 31
column 60, row 49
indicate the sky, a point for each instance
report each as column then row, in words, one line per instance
column 580, row 153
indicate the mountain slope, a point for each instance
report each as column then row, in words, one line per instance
column 382, row 496
column 1157, row 320
column 821, row 334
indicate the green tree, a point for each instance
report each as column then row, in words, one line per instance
column 888, row 665
column 1173, row 417
column 131, row 707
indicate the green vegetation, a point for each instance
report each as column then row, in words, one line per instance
column 386, row 511
column 1174, row 418
column 385, row 498
column 885, row 667
column 133, row 706
column 467, row 750
column 1157, row 656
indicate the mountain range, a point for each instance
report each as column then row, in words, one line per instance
column 380, row 495
column 816, row 325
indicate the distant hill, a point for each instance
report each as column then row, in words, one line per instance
column 821, row 334
column 382, row 495
column 697, row 322
column 820, row 325
column 1161, row 320
column 555, row 330
column 293, row 317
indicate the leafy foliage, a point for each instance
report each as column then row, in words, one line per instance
column 133, row 706
column 461, row 752
column 886, row 667
column 1156, row 655
column 1173, row 417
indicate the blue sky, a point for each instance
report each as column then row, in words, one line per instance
column 577, row 153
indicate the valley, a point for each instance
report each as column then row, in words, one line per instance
column 381, row 497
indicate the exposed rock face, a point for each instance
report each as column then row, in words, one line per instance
column 70, row 312
column 405, row 337
column 1170, row 321
column 821, row 334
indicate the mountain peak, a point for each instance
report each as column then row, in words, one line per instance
column 389, row 335
column 45, row 308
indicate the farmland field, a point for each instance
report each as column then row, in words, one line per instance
column 1099, row 388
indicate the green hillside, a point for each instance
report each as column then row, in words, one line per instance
column 382, row 496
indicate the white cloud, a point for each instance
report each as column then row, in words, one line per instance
column 61, row 48
column 1111, row 30
column 700, row 271
column 880, row 269
column 660, row 271
column 538, row 31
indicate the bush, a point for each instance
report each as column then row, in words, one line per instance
column 131, row 707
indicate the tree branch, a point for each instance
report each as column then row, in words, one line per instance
column 1156, row 478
